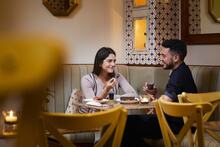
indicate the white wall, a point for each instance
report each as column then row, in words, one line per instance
column 94, row 24
column 203, row 55
column 208, row 24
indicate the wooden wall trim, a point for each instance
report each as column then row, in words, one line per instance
column 148, row 65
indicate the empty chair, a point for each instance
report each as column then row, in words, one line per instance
column 111, row 121
column 192, row 111
column 28, row 63
column 210, row 97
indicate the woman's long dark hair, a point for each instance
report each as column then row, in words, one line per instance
column 101, row 55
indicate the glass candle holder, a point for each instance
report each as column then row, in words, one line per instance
column 111, row 96
column 10, row 122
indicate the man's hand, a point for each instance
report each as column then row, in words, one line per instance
column 150, row 89
column 166, row 98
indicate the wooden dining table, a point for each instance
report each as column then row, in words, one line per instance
column 136, row 108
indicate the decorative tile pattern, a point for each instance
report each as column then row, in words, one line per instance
column 133, row 57
column 163, row 24
column 194, row 17
column 60, row 7
column 167, row 27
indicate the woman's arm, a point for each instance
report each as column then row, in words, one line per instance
column 126, row 87
column 87, row 86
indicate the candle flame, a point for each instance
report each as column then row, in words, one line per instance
column 10, row 113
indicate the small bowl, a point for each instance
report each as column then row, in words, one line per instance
column 144, row 99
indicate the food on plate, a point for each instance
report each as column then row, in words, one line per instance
column 134, row 101
column 127, row 98
column 103, row 101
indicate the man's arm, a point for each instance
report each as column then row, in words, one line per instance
column 167, row 98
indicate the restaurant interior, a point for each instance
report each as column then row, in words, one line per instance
column 47, row 46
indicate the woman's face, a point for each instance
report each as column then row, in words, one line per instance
column 108, row 64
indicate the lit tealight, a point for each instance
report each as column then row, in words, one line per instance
column 10, row 117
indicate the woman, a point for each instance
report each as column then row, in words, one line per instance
column 103, row 79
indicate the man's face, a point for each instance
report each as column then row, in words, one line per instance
column 167, row 58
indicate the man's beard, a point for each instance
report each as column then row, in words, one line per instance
column 169, row 65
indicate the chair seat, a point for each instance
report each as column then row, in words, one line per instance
column 209, row 142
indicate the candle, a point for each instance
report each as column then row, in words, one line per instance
column 10, row 117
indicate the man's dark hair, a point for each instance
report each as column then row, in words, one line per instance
column 101, row 55
column 176, row 46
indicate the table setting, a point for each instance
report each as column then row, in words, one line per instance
column 136, row 105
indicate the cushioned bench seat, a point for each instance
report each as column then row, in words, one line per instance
column 207, row 78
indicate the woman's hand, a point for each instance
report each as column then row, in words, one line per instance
column 110, row 84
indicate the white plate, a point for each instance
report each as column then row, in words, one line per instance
column 136, row 100
column 87, row 100
column 94, row 103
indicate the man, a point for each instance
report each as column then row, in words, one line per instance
column 173, row 53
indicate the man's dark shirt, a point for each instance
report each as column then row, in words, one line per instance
column 181, row 80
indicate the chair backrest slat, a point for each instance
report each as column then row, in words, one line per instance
column 112, row 121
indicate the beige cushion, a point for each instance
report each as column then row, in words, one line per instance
column 75, row 97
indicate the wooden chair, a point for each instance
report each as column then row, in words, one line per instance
column 210, row 97
column 192, row 111
column 28, row 64
column 113, row 121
